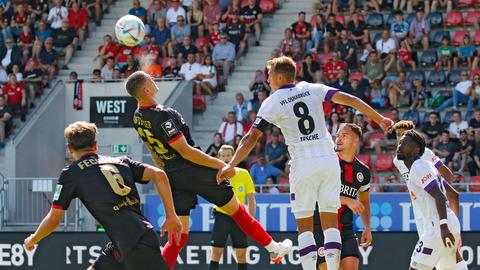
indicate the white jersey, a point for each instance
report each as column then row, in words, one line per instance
column 298, row 111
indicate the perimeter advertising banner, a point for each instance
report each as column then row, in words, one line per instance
column 75, row 251
column 390, row 212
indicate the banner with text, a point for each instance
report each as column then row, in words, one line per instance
column 112, row 112
column 389, row 212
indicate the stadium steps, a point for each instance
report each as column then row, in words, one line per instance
column 206, row 124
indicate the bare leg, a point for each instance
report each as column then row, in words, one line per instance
column 68, row 54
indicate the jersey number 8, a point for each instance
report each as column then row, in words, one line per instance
column 301, row 111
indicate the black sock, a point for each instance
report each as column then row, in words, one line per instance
column 213, row 265
column 242, row 266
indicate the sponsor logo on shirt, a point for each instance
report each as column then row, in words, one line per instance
column 169, row 127
column 426, row 178
column 58, row 190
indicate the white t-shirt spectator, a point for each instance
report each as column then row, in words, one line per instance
column 386, row 46
column 172, row 15
column 464, row 87
column 56, row 15
column 229, row 131
column 190, row 70
column 207, row 70
column 107, row 73
column 3, row 76
column 455, row 128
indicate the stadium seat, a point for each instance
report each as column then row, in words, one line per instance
column 476, row 37
column 428, row 58
column 435, row 19
column 365, row 159
column 283, row 182
column 416, row 75
column 454, row 77
column 471, row 17
column 463, row 3
column 384, row 162
column 413, row 116
column 375, row 21
column 267, row 6
column 474, row 184
column 437, row 77
column 355, row 75
column 458, row 38
column 410, row 17
column 324, row 58
column 436, row 37
column 341, row 19
column 199, row 103
column 454, row 18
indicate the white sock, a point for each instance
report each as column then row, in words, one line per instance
column 462, row 265
column 272, row 247
column 307, row 250
column 333, row 248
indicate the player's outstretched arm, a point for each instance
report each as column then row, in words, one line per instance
column 195, row 155
column 447, row 236
column 46, row 227
column 358, row 104
column 244, row 148
column 364, row 197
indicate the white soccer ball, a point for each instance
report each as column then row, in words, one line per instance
column 130, row 30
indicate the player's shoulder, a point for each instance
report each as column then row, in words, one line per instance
column 241, row 172
column 361, row 165
column 420, row 166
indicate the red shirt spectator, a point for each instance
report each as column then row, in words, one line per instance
column 147, row 49
column 201, row 42
column 215, row 36
column 235, row 6
column 78, row 19
column 333, row 66
column 14, row 92
column 212, row 11
column 123, row 53
column 111, row 48
column 21, row 16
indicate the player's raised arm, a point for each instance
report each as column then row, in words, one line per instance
column 356, row 103
column 47, row 226
column 195, row 155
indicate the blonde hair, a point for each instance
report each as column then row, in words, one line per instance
column 81, row 135
column 283, row 65
column 227, row 147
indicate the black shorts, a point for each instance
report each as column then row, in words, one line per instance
column 349, row 245
column 224, row 226
column 146, row 255
column 195, row 180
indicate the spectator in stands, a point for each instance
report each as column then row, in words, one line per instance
column 309, row 67
column 17, row 73
column 33, row 80
column 78, row 19
column 106, row 50
column 191, row 71
column 251, row 16
column 257, row 84
column 342, row 83
column 418, row 95
column 372, row 4
column 94, row 9
column 465, row 152
column 360, row 89
column 262, row 170
column 474, row 123
column 374, row 68
column 156, row 12
column 457, row 125
column 442, row 4
column 333, row 66
column 399, row 27
column 474, row 93
column 290, row 46
column 178, row 32
column 432, row 128
column 38, row 10
column 172, row 69
column 332, row 33
column 161, row 36
column 209, row 77
column 138, row 10
column 262, row 95
column 237, row 33
column 152, row 67
column 405, row 56
column 224, row 56
column 230, row 128
column 390, row 140
column 302, row 31
column 367, row 129
column 65, row 40
column 42, row 32
column 57, row 14
column 392, row 184
column 378, row 94
column 25, row 42
column 474, row 165
column 214, row 35
column 147, row 49
column 130, row 67
column 323, row 6
column 460, row 94
column 72, row 77
column 211, row 13
column 446, row 54
column 5, row 120
column 465, row 53
column 386, row 46
column 445, row 149
column 10, row 54
column 458, row 181
column 49, row 59
column 270, row 187
column 195, row 18
column 358, row 29
column 318, row 32
column 398, row 88
column 334, row 124
column 186, row 47
column 213, row 148
column 174, row 12
column 251, row 117
column 116, row 74
column 349, row 5
column 241, row 107
column 419, row 30
column 16, row 98
column 346, row 47
column 96, row 76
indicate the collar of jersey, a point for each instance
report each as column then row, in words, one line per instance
column 89, row 154
column 286, row 86
column 147, row 107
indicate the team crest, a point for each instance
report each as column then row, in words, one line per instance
column 360, row 177
column 169, row 127
column 321, row 252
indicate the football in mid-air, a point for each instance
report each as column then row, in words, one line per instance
column 129, row 30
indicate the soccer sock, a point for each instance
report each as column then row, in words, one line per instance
column 333, row 247
column 251, row 227
column 213, row 265
column 307, row 250
column 462, row 265
column 171, row 250
column 242, row 266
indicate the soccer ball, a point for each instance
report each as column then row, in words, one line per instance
column 129, row 30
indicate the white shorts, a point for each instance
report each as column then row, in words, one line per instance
column 315, row 180
column 431, row 252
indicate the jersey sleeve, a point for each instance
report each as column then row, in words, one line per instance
column 64, row 192
column 166, row 129
column 431, row 157
column 324, row 92
column 266, row 115
column 422, row 175
column 366, row 181
column 137, row 169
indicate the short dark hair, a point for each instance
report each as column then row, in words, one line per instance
column 302, row 13
column 394, row 110
column 418, row 139
column 111, row 58
column 433, row 113
column 446, row 131
column 355, row 129
column 81, row 135
column 135, row 82
column 457, row 112
column 404, row 124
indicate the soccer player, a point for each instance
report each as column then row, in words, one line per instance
column 400, row 128
column 438, row 244
column 244, row 190
column 190, row 171
column 355, row 178
column 106, row 186
column 315, row 170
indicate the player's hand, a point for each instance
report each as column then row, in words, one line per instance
column 447, row 236
column 226, row 172
column 30, row 242
column 356, row 206
column 366, row 238
column 386, row 124
column 174, row 228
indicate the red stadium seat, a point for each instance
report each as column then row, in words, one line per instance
column 341, row 19
column 377, row 136
column 365, row 159
column 324, row 58
column 355, row 75
column 166, row 61
column 199, row 103
column 476, row 37
column 472, row 16
column 454, row 18
column 267, row 6
column 384, row 162
column 475, row 183
column 476, row 3
column 458, row 38
column 463, row 3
